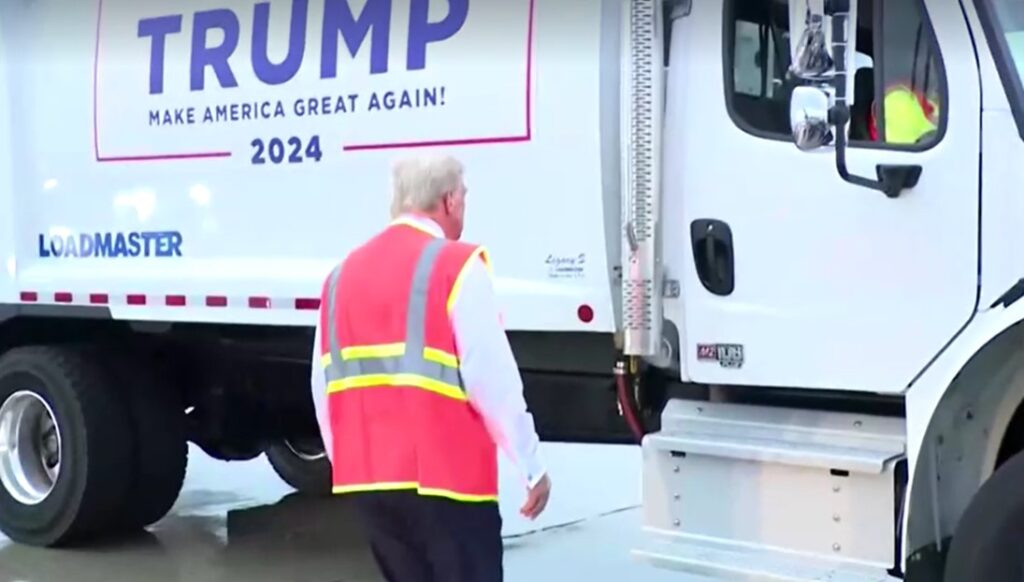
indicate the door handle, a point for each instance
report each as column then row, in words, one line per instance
column 713, row 255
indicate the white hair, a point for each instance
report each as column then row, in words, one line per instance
column 420, row 183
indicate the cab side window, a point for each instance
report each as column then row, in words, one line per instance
column 899, row 91
column 758, row 37
column 910, row 91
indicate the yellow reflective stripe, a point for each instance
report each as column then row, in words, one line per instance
column 487, row 261
column 414, row 380
column 480, row 252
column 405, row 485
column 390, row 350
column 394, row 486
column 440, row 357
column 469, row 498
column 372, row 351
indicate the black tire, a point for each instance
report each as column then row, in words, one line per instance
column 307, row 472
column 96, row 447
column 986, row 546
column 161, row 448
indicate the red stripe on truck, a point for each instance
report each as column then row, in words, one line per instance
column 172, row 300
column 175, row 301
column 136, row 300
column 259, row 302
column 307, row 304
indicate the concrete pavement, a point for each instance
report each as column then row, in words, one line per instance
column 239, row 522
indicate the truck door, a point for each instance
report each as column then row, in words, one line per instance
column 792, row 276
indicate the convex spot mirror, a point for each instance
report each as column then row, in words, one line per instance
column 812, row 60
column 809, row 118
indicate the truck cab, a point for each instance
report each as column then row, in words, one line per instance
column 841, row 208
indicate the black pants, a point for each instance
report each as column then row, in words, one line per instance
column 431, row 539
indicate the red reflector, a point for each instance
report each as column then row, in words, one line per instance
column 585, row 313
column 307, row 304
column 216, row 301
column 136, row 299
column 62, row 297
column 30, row 296
column 175, row 300
column 259, row 302
column 99, row 298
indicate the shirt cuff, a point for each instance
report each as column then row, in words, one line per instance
column 533, row 471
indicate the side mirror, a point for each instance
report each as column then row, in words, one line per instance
column 809, row 118
column 813, row 60
column 812, row 116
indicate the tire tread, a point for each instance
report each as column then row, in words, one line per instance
column 107, row 447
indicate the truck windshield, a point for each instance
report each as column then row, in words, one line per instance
column 1007, row 21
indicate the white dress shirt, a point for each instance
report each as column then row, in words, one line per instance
column 486, row 364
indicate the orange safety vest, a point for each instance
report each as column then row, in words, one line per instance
column 399, row 415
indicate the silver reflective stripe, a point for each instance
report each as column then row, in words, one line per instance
column 334, row 371
column 396, row 365
column 416, row 319
column 412, row 360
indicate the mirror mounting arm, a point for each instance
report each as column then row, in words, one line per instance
column 892, row 179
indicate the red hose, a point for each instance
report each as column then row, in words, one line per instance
column 627, row 407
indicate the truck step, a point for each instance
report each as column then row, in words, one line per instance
column 719, row 561
column 773, row 493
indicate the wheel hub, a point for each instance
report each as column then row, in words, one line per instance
column 30, row 447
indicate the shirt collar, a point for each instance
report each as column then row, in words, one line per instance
column 421, row 223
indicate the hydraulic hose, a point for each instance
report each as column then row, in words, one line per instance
column 626, row 403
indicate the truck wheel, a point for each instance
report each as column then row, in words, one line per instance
column 64, row 443
column 161, row 449
column 986, row 545
column 302, row 463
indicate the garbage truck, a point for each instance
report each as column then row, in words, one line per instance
column 773, row 243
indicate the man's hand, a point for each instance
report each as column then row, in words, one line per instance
column 537, row 499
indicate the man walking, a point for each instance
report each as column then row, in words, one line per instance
column 416, row 386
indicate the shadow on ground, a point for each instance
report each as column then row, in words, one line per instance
column 297, row 539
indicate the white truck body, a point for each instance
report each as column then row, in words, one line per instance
column 840, row 366
column 89, row 161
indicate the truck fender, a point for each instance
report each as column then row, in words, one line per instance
column 978, row 362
